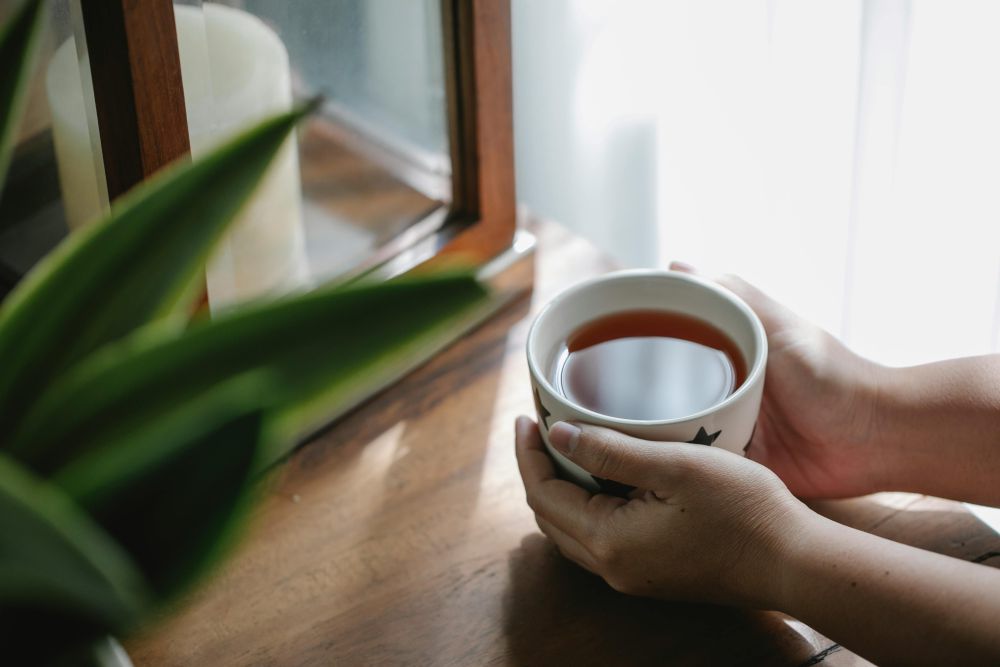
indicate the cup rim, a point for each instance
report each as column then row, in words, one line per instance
column 753, row 377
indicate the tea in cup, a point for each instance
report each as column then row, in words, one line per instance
column 659, row 355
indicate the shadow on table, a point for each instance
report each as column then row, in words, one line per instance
column 377, row 505
column 557, row 613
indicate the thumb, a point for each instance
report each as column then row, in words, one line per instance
column 773, row 315
column 608, row 454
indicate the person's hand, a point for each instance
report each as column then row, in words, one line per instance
column 818, row 423
column 708, row 526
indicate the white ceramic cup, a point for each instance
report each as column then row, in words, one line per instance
column 728, row 424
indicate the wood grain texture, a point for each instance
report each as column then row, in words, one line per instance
column 401, row 537
column 138, row 92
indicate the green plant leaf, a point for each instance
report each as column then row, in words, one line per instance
column 310, row 345
column 18, row 46
column 139, row 265
column 57, row 567
column 174, row 489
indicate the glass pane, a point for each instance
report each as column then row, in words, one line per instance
column 59, row 122
column 235, row 72
column 368, row 167
column 367, row 174
column 377, row 62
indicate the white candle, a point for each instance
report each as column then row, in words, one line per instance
column 235, row 71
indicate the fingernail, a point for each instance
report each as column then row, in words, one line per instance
column 564, row 437
column 684, row 267
column 521, row 426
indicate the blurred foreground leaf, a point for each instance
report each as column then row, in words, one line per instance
column 59, row 571
column 173, row 489
column 311, row 344
column 143, row 263
column 151, row 434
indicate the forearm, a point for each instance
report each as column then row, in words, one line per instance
column 888, row 602
column 939, row 425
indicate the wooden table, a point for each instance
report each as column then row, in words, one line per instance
column 401, row 537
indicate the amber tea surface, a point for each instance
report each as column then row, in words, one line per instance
column 648, row 365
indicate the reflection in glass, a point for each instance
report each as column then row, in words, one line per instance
column 235, row 72
column 378, row 62
column 369, row 175
column 375, row 161
column 32, row 220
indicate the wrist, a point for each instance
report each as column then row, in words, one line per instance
column 933, row 429
column 882, row 389
column 805, row 543
column 786, row 544
column 896, row 414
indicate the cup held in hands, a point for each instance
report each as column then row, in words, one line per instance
column 658, row 375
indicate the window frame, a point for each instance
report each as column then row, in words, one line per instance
column 140, row 108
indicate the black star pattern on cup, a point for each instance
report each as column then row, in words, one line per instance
column 704, row 437
column 543, row 414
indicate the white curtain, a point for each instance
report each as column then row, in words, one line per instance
column 842, row 154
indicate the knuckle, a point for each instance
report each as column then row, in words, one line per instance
column 533, row 502
column 620, row 584
column 697, row 464
column 592, row 537
column 604, row 458
column 605, row 551
column 612, row 454
column 733, row 283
